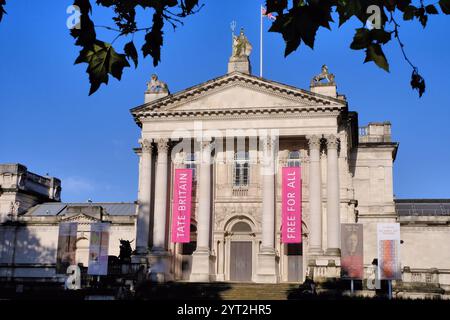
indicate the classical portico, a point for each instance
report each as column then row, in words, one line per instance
column 237, row 132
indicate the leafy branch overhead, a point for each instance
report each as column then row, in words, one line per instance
column 297, row 21
column 300, row 23
column 2, row 9
column 102, row 59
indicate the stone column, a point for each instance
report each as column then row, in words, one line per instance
column 267, row 265
column 333, row 198
column 159, row 256
column 315, row 198
column 159, row 226
column 143, row 219
column 268, row 200
column 201, row 262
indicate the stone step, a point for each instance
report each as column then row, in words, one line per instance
column 228, row 291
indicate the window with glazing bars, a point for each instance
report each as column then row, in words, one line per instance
column 241, row 169
column 294, row 159
column 190, row 163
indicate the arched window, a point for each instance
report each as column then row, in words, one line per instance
column 294, row 159
column 241, row 227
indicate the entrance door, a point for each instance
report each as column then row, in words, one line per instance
column 295, row 262
column 241, row 261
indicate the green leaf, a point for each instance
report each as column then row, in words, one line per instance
column 277, row 6
column 409, row 13
column 423, row 18
column 417, row 82
column 2, row 10
column 154, row 39
column 445, row 6
column 131, row 52
column 361, row 39
column 346, row 9
column 431, row 9
column 380, row 35
column 102, row 60
column 375, row 53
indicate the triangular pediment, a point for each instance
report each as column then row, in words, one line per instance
column 238, row 96
column 237, row 91
column 80, row 218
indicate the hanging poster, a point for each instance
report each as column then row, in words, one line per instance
column 181, row 208
column 352, row 251
column 65, row 254
column 389, row 251
column 291, row 205
column 98, row 249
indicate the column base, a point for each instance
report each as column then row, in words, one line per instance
column 333, row 252
column 267, row 271
column 160, row 266
column 140, row 259
column 315, row 251
column 201, row 267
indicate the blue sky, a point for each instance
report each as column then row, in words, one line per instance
column 49, row 123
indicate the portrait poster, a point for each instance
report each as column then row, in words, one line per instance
column 352, row 251
column 389, row 251
column 65, row 254
column 181, row 208
column 291, row 205
column 98, row 249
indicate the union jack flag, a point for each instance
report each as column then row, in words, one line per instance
column 270, row 16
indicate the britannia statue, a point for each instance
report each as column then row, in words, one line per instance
column 241, row 46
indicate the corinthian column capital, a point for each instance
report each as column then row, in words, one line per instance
column 163, row 144
column 314, row 141
column 332, row 141
column 146, row 145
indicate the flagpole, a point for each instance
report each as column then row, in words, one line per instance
column 261, row 44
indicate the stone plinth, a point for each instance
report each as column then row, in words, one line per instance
column 324, row 268
column 267, row 268
column 201, row 267
column 151, row 96
column 160, row 266
column 325, row 89
column 241, row 64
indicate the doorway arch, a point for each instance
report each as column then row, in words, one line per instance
column 240, row 248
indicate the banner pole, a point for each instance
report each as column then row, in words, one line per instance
column 390, row 289
column 352, row 287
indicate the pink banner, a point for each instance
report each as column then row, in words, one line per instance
column 181, row 209
column 291, row 195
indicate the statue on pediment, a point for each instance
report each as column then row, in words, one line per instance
column 241, row 46
column 324, row 75
column 157, row 86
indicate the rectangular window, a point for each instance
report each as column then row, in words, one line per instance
column 293, row 159
column 190, row 163
column 241, row 169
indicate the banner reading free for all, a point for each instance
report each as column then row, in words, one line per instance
column 291, row 205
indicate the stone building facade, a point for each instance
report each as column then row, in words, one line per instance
column 237, row 132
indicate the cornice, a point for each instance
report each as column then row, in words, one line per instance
column 287, row 112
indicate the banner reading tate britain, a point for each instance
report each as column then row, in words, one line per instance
column 291, row 205
column 181, row 209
